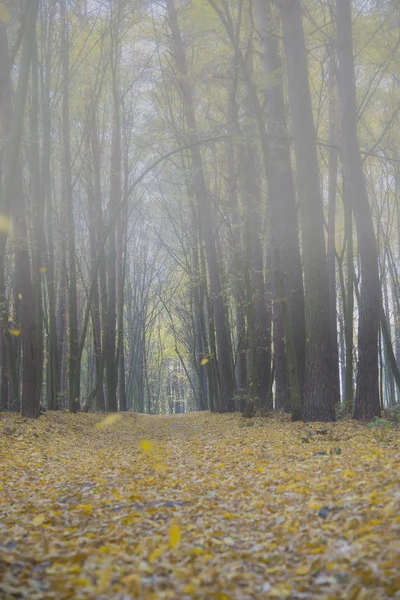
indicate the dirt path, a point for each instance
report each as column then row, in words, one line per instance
column 196, row 506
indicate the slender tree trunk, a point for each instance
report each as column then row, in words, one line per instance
column 331, row 246
column 319, row 396
column 13, row 188
column 367, row 403
column 349, row 303
column 74, row 361
column 282, row 201
column 115, row 198
column 53, row 370
column 226, row 380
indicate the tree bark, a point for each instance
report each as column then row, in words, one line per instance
column 226, row 380
column 74, row 375
column 367, row 404
column 319, row 397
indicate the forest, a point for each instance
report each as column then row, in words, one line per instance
column 200, row 206
column 199, row 299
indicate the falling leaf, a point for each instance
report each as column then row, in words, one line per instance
column 4, row 220
column 20, row 296
column 43, row 269
column 15, row 331
column 39, row 520
column 204, row 361
column 174, row 535
column 108, row 421
column 146, row 446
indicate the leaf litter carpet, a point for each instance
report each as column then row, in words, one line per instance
column 197, row 506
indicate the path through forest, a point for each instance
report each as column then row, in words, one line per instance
column 197, row 506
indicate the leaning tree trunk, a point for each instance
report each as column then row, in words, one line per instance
column 319, row 396
column 367, row 403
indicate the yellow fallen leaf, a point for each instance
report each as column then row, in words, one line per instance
column 157, row 552
column 39, row 520
column 4, row 13
column 146, row 446
column 189, row 589
column 108, row 421
column 132, row 580
column 280, row 591
column 204, row 361
column 303, row 570
column 314, row 505
column 174, row 535
column 85, row 507
column 104, row 578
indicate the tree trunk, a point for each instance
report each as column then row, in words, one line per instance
column 367, row 404
column 319, row 396
column 13, row 188
column 226, row 380
column 284, row 225
column 331, row 245
column 74, row 360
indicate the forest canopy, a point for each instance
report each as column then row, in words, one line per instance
column 200, row 206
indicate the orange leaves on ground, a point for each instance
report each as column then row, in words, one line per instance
column 197, row 506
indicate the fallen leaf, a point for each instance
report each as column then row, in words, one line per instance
column 39, row 520
column 108, row 421
column 174, row 535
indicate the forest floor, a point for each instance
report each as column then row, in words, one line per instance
column 197, row 506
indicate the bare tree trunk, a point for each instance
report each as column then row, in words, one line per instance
column 367, row 403
column 115, row 198
column 53, row 369
column 38, row 239
column 319, row 396
column 74, row 360
column 348, row 305
column 283, row 205
column 13, row 188
column 331, row 246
